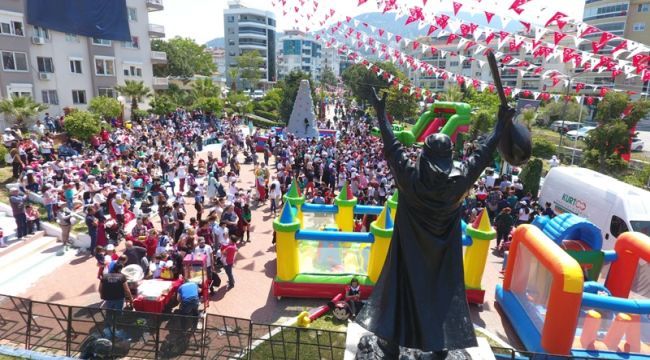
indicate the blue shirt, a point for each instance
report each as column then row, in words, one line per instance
column 188, row 292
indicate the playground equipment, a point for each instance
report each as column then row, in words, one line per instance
column 553, row 301
column 449, row 118
column 318, row 253
column 479, row 234
column 305, row 318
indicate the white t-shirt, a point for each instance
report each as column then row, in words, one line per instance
column 522, row 215
column 221, row 234
column 207, row 251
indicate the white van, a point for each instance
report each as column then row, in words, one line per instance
column 613, row 206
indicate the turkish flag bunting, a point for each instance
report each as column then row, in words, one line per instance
column 558, row 19
column 348, row 19
column 491, row 88
column 526, row 25
column 415, row 15
column 506, row 59
column 605, row 38
column 489, row 16
column 579, row 86
column 361, row 2
column 603, row 91
column 558, row 36
column 567, row 55
column 616, row 72
column 398, row 38
column 589, row 30
column 503, row 34
column 516, row 6
column 469, row 45
column 432, row 28
column 514, row 46
column 457, row 7
column 416, row 45
column 639, row 58
column 596, row 46
column 464, row 29
column 381, row 32
column 646, row 75
column 489, row 37
column 442, row 20
column 555, row 81
column 538, row 70
column 451, row 38
column 507, row 90
column 476, row 83
column 589, row 100
column 621, row 46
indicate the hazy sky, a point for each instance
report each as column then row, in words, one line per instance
column 202, row 20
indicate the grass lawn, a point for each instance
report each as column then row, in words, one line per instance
column 314, row 342
column 6, row 178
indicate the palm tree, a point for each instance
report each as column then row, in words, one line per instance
column 21, row 109
column 234, row 74
column 136, row 90
column 205, row 88
column 528, row 116
column 453, row 94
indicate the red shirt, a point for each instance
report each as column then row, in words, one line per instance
column 152, row 244
column 229, row 251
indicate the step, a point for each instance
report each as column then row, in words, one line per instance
column 24, row 267
column 13, row 243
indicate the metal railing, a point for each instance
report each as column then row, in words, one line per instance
column 159, row 55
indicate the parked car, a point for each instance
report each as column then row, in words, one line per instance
column 580, row 133
column 637, row 144
column 257, row 94
column 564, row 127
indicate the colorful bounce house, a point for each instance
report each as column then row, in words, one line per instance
column 450, row 118
column 552, row 297
column 318, row 253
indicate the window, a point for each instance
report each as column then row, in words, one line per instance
column 617, row 226
column 50, row 97
column 45, row 64
column 603, row 12
column 19, row 93
column 41, row 32
column 78, row 96
column 11, row 28
column 133, row 70
column 75, row 66
column 71, row 37
column 453, row 63
column 133, row 44
column 101, row 42
column 109, row 92
column 14, row 61
column 133, row 14
column 643, row 7
column 104, row 66
column 640, row 26
column 231, row 19
column 231, row 42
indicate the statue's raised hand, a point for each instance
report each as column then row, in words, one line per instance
column 379, row 103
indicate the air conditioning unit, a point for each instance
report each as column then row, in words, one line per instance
column 37, row 40
column 45, row 76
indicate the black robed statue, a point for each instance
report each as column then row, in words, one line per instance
column 419, row 300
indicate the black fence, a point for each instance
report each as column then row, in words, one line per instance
column 62, row 330
column 81, row 331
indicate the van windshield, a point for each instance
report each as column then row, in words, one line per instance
column 641, row 226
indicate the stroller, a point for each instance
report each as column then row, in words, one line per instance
column 113, row 232
column 248, row 158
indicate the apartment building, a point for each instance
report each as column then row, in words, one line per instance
column 219, row 60
column 245, row 30
column 629, row 19
column 299, row 51
column 67, row 70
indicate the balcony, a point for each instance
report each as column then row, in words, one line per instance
column 154, row 5
column 156, row 31
column 160, row 83
column 158, row 57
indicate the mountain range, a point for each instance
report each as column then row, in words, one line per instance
column 396, row 26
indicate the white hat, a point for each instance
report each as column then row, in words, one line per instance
column 110, row 247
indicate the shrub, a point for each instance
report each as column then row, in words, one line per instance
column 106, row 107
column 266, row 114
column 3, row 153
column 264, row 123
column 543, row 148
column 531, row 175
column 82, row 124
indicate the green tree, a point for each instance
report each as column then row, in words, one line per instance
column 161, row 105
column 136, row 91
column 640, row 178
column 82, row 124
column 482, row 122
column 209, row 105
column 289, row 87
column 105, row 107
column 205, row 88
column 249, row 64
column 531, row 174
column 21, row 109
column 178, row 96
column 185, row 58
column 528, row 116
column 233, row 73
column 612, row 136
column 327, row 77
column 482, row 100
column 553, row 111
column 239, row 103
column 453, row 94
column 360, row 81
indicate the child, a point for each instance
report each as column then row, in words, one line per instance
column 353, row 297
column 2, row 239
column 247, row 217
column 32, row 219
